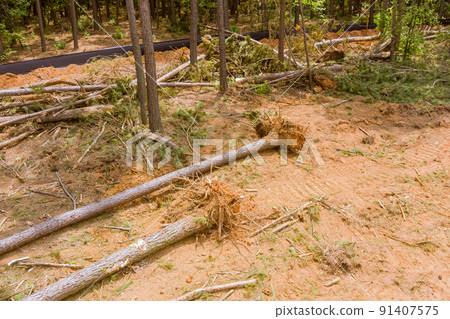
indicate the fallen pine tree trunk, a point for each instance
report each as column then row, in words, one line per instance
column 125, row 257
column 178, row 69
column 15, row 139
column 55, row 89
column 349, row 39
column 285, row 75
column 185, row 84
column 63, row 116
column 95, row 209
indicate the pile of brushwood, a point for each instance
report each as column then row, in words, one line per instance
column 244, row 58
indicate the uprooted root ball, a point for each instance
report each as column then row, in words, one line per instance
column 278, row 127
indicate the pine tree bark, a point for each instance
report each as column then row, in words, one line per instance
column 281, row 30
column 441, row 9
column 140, row 76
column 108, row 9
column 396, row 27
column 226, row 16
column 95, row 14
column 41, row 24
column 172, row 12
column 2, row 49
column 372, row 12
column 265, row 24
column 193, row 33
column 150, row 67
column 125, row 257
column 331, row 11
column 73, row 21
column 222, row 47
column 306, row 45
column 297, row 15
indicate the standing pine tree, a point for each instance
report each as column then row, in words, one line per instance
column 73, row 22
column 41, row 24
column 222, row 48
column 193, row 33
column 150, row 67
column 281, row 30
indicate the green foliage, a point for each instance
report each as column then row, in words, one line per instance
column 118, row 33
column 59, row 45
column 84, row 23
column 264, row 89
column 397, row 82
column 247, row 58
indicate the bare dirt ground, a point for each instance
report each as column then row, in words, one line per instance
column 388, row 241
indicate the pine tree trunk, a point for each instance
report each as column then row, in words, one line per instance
column 193, row 33
column 306, row 45
column 108, row 9
column 331, row 12
column 264, row 23
column 117, row 10
column 372, row 12
column 236, row 12
column 396, row 27
column 226, row 16
column 281, row 30
column 73, row 21
column 441, row 9
column 150, row 67
column 94, row 14
column 41, row 25
column 222, row 48
column 172, row 12
column 140, row 76
column 2, row 49
column 297, row 15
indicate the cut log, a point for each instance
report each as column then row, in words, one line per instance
column 15, row 139
column 178, row 69
column 95, row 209
column 63, row 116
column 350, row 39
column 55, row 89
column 125, row 257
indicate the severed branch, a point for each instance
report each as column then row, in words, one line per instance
column 197, row 293
column 66, row 191
column 296, row 211
column 89, row 148
column 37, row 263
column 125, row 257
column 45, row 193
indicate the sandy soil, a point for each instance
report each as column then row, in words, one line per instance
column 389, row 240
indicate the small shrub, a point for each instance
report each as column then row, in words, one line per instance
column 60, row 45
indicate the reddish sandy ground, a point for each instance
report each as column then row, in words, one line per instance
column 392, row 195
